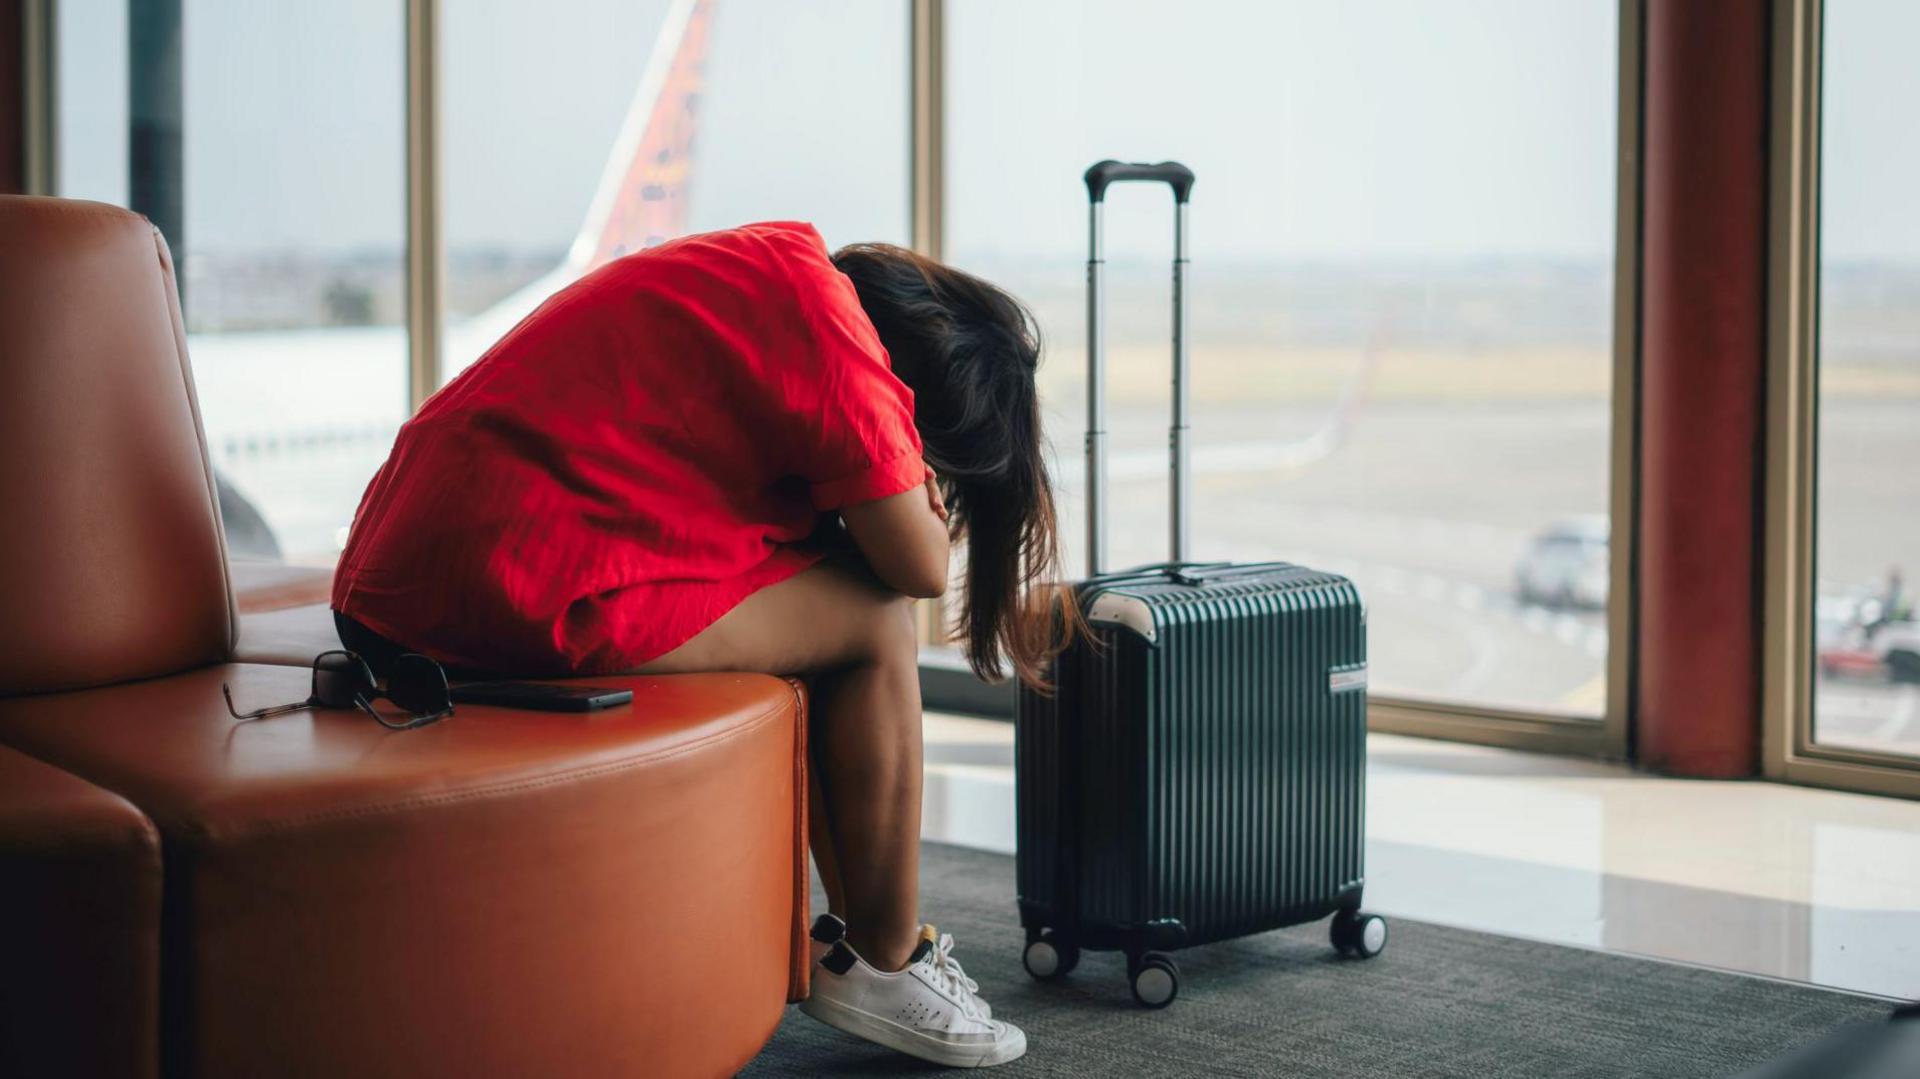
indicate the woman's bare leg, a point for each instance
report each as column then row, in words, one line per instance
column 855, row 640
column 819, row 829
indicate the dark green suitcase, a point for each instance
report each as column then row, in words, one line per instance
column 1199, row 770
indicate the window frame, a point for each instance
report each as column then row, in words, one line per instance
column 38, row 100
column 426, row 243
column 946, row 684
column 1789, row 750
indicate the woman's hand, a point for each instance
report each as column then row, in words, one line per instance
column 934, row 501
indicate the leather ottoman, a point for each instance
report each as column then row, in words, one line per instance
column 500, row 893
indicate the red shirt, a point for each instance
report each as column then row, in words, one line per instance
column 648, row 448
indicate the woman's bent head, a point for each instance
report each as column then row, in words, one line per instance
column 969, row 351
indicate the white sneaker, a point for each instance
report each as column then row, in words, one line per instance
column 930, row 1010
column 829, row 930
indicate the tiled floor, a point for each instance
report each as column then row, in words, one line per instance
column 1781, row 881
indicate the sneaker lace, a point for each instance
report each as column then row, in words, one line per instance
column 950, row 977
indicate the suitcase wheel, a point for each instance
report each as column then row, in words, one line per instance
column 1359, row 934
column 1050, row 956
column 1155, row 980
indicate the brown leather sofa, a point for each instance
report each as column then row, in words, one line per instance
column 501, row 893
column 79, row 926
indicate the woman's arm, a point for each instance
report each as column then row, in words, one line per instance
column 904, row 539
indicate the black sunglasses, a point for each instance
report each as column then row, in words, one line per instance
column 343, row 680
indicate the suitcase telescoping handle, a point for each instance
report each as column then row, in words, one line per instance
column 1179, row 495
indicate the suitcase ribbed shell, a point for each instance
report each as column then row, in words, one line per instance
column 1200, row 772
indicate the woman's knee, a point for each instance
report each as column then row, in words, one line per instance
column 820, row 620
column 851, row 618
column 891, row 636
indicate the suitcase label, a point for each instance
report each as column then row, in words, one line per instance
column 1347, row 679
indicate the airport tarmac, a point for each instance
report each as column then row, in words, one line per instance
column 1430, row 510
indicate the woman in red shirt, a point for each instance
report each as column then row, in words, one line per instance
column 735, row 451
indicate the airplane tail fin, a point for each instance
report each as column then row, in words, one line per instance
column 642, row 196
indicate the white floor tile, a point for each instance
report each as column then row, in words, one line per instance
column 1781, row 881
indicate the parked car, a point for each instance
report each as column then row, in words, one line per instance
column 1865, row 642
column 1566, row 565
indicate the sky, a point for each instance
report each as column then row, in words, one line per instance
column 1367, row 130
column 1871, row 166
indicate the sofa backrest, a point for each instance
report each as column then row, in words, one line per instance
column 112, row 562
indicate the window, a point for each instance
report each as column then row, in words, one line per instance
column 91, row 128
column 279, row 136
column 295, row 252
column 1867, row 510
column 1401, row 299
column 575, row 131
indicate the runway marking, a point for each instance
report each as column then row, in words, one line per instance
column 1486, row 660
column 1905, row 709
column 1589, row 696
column 1563, row 627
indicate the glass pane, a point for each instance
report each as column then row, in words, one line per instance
column 90, row 130
column 1401, row 298
column 575, row 131
column 1867, row 641
column 295, row 252
column 289, row 240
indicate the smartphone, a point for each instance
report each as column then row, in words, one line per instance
column 541, row 696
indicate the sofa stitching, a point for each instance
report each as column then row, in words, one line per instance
column 481, row 793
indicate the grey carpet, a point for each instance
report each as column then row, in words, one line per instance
column 1438, row 1002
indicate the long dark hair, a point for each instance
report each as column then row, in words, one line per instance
column 968, row 350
